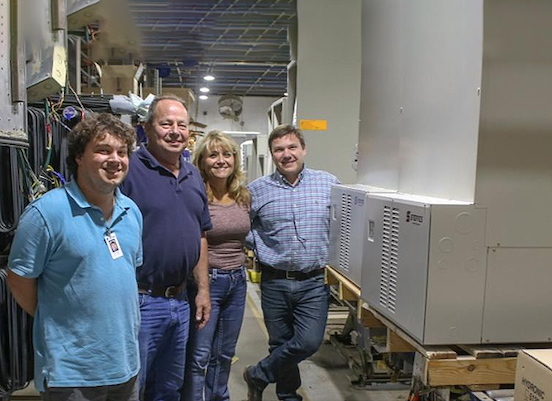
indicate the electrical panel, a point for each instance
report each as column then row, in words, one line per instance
column 48, row 74
column 46, row 67
column 348, row 228
column 425, row 265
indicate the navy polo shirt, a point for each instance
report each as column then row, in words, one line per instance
column 175, row 214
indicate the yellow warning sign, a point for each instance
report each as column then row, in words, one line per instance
column 313, row 125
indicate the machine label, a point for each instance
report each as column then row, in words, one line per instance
column 414, row 218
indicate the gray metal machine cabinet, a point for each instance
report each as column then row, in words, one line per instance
column 348, row 228
column 424, row 266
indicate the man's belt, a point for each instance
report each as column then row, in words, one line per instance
column 168, row 292
column 289, row 274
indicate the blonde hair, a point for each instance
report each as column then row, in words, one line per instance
column 235, row 183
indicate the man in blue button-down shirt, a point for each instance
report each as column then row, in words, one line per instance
column 290, row 214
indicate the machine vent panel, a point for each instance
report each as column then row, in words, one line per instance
column 389, row 258
column 345, row 232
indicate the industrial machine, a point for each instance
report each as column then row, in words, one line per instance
column 425, row 263
column 348, row 228
column 455, row 108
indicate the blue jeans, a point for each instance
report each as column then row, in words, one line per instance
column 295, row 314
column 211, row 349
column 163, row 337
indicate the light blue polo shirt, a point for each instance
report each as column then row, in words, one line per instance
column 87, row 318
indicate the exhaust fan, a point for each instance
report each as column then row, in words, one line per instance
column 230, row 107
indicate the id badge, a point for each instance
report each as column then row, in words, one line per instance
column 113, row 246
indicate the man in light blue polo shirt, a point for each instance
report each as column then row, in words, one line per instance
column 73, row 267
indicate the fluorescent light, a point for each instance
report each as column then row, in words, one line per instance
column 203, row 97
column 204, row 89
column 209, row 78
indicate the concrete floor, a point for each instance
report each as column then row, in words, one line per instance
column 325, row 375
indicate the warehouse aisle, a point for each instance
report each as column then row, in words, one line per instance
column 324, row 375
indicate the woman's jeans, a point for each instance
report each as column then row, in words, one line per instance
column 211, row 349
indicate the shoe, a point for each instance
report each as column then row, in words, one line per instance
column 254, row 391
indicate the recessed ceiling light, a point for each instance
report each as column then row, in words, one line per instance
column 204, row 89
column 209, row 78
column 203, row 97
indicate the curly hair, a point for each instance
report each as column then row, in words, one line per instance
column 235, row 182
column 92, row 126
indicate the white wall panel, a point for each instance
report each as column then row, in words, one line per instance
column 382, row 66
column 328, row 81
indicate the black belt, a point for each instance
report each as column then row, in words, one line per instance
column 171, row 291
column 289, row 274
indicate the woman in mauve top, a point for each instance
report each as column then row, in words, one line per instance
column 211, row 349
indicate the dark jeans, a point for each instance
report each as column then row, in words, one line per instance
column 210, row 350
column 163, row 337
column 295, row 314
column 116, row 392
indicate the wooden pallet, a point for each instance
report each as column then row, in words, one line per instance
column 477, row 366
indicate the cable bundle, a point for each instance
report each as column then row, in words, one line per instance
column 12, row 200
column 47, row 147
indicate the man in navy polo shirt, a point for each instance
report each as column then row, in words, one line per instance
column 171, row 195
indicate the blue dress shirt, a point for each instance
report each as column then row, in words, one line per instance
column 290, row 224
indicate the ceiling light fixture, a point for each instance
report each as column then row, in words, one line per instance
column 209, row 78
column 204, row 89
column 203, row 97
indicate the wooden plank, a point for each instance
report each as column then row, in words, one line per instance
column 352, row 287
column 368, row 319
column 346, row 294
column 439, row 352
column 482, row 351
column 470, row 371
column 510, row 350
column 397, row 344
column 331, row 279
